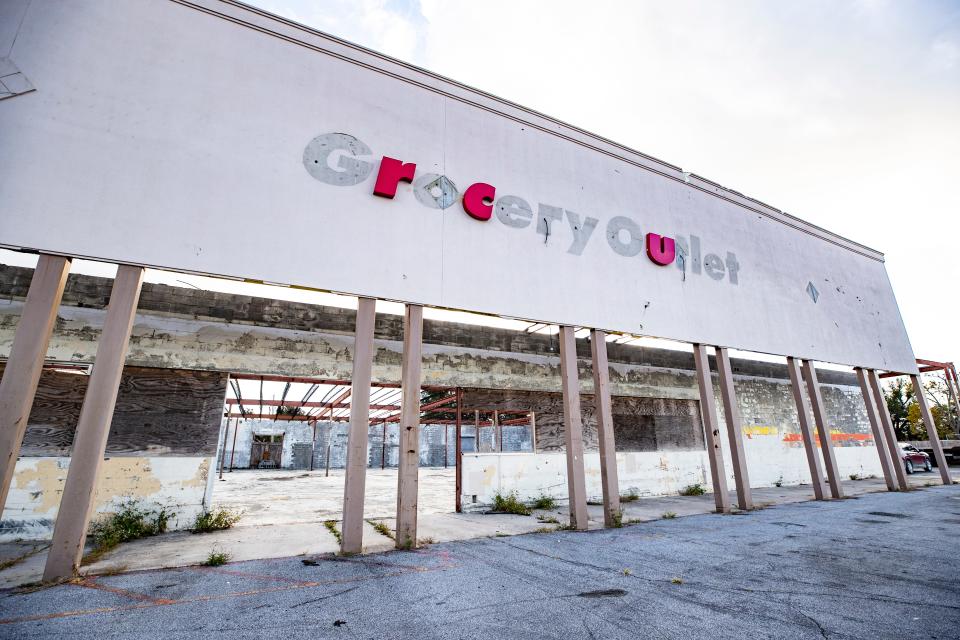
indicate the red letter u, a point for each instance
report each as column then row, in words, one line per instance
column 661, row 249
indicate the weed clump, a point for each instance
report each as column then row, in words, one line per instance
column 669, row 515
column 331, row 526
column 130, row 522
column 215, row 520
column 630, row 496
column 382, row 529
column 544, row 502
column 693, row 490
column 216, row 559
column 509, row 503
column 617, row 519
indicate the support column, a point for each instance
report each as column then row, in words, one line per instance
column 612, row 516
column 803, row 416
column 711, row 430
column 731, row 414
column 22, row 372
column 459, row 454
column 573, row 429
column 355, row 476
column 820, row 418
column 409, row 463
column 223, row 448
column 889, row 436
column 90, row 438
column 877, row 429
column 932, row 434
column 951, row 380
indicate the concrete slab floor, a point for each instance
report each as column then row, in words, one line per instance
column 257, row 537
column 831, row 569
column 282, row 497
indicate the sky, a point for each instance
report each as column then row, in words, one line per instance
column 845, row 114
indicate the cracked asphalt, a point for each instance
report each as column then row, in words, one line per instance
column 877, row 566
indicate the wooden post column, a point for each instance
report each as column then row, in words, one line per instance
column 731, row 414
column 409, row 463
column 355, row 477
column 932, row 434
column 877, row 428
column 573, row 429
column 22, row 372
column 889, row 436
column 612, row 517
column 90, row 438
column 803, row 416
column 459, row 454
column 820, row 419
column 711, row 430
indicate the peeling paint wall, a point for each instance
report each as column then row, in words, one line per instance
column 176, row 483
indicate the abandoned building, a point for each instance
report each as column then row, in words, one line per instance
column 404, row 188
column 177, row 418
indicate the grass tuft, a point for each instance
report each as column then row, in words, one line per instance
column 669, row 515
column 693, row 490
column 509, row 503
column 630, row 496
column 382, row 529
column 617, row 519
column 216, row 559
column 331, row 526
column 544, row 502
column 215, row 520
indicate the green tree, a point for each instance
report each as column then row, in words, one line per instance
column 899, row 396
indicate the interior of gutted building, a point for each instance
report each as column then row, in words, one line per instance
column 241, row 401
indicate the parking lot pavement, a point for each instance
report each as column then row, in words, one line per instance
column 876, row 566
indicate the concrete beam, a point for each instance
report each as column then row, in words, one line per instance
column 409, row 461
column 711, row 429
column 806, row 432
column 931, row 426
column 823, row 428
column 22, row 373
column 355, row 477
column 573, row 429
column 612, row 516
column 93, row 427
column 888, row 434
column 731, row 413
column 877, row 428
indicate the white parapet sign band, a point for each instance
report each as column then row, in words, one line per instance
column 214, row 138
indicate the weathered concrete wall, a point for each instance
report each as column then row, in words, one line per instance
column 516, row 438
column 192, row 329
column 653, row 473
column 177, row 483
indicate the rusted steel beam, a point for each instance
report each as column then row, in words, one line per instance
column 310, row 405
